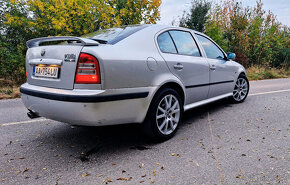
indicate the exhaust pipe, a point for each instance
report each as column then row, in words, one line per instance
column 32, row 115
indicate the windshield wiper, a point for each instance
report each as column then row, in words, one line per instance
column 100, row 41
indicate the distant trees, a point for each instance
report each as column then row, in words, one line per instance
column 21, row 20
column 254, row 35
column 197, row 15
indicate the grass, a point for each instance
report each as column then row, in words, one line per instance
column 9, row 90
column 262, row 73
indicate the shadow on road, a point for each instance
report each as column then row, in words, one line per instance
column 87, row 142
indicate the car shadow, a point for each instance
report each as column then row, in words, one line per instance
column 85, row 143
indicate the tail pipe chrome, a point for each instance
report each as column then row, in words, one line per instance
column 32, row 115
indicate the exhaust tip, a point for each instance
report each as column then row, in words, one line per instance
column 32, row 115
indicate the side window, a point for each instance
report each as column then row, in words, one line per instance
column 165, row 43
column 211, row 50
column 185, row 43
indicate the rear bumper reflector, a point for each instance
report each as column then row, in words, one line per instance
column 83, row 98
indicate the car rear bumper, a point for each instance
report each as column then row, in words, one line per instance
column 88, row 107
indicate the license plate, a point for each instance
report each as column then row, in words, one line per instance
column 46, row 72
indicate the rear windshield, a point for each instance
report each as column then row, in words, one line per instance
column 114, row 35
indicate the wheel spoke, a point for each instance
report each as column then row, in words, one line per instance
column 244, row 83
column 175, row 111
column 174, row 106
column 171, row 124
column 245, row 91
column 166, row 127
column 160, row 116
column 238, row 97
column 163, row 124
column 235, row 93
column 170, row 101
column 238, row 83
column 166, row 103
column 175, row 120
column 161, row 109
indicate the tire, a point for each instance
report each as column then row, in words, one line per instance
column 241, row 89
column 164, row 115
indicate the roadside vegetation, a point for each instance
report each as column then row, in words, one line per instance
column 260, row 41
column 8, row 90
column 262, row 73
column 24, row 20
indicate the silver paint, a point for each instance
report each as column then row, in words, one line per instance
column 135, row 64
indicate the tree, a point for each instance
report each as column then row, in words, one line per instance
column 253, row 34
column 22, row 20
column 78, row 17
column 136, row 11
column 197, row 16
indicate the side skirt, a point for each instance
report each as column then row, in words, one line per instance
column 203, row 102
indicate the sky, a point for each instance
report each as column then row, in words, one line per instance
column 172, row 9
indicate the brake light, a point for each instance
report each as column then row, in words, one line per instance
column 88, row 70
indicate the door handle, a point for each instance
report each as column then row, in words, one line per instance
column 178, row 66
column 212, row 67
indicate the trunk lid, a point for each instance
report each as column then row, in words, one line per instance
column 54, row 65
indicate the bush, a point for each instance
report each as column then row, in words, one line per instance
column 12, row 63
column 21, row 21
column 261, row 73
column 255, row 36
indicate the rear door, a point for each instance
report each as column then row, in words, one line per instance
column 53, row 65
column 180, row 51
column 221, row 70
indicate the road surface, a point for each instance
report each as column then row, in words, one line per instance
column 219, row 143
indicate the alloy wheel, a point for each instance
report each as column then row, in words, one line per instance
column 168, row 114
column 241, row 89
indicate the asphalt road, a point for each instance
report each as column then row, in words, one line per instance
column 219, row 143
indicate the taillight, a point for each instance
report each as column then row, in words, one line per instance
column 88, row 70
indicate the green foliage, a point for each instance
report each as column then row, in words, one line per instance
column 261, row 73
column 255, row 36
column 22, row 20
column 12, row 62
column 196, row 17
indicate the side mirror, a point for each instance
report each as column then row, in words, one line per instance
column 231, row 56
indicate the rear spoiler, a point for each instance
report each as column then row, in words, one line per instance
column 85, row 42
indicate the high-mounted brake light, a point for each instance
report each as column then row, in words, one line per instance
column 88, row 70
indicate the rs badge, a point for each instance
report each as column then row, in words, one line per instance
column 69, row 57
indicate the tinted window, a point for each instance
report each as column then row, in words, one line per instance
column 184, row 43
column 165, row 43
column 114, row 35
column 211, row 50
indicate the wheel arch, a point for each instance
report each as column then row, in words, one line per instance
column 242, row 73
column 175, row 86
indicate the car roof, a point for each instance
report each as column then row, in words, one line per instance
column 161, row 27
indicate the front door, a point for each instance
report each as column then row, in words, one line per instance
column 221, row 70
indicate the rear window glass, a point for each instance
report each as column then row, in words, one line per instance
column 165, row 43
column 114, row 35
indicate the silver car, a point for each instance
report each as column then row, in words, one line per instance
column 147, row 74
